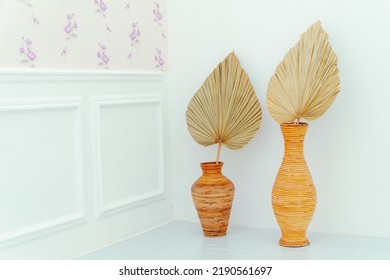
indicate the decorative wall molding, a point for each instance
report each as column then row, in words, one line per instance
column 37, row 75
column 97, row 103
column 67, row 102
column 39, row 104
column 40, row 229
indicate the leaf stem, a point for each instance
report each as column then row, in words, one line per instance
column 219, row 151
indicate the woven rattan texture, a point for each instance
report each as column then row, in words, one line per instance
column 213, row 196
column 293, row 193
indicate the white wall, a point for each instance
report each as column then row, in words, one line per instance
column 82, row 160
column 347, row 149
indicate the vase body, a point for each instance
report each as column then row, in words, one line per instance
column 293, row 193
column 213, row 196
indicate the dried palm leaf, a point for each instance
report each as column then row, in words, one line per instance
column 306, row 82
column 225, row 110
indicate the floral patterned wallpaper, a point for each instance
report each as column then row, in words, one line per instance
column 84, row 34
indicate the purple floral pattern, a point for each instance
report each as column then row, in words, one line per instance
column 157, row 14
column 101, row 7
column 27, row 53
column 158, row 18
column 103, row 58
column 146, row 48
column 135, row 34
column 158, row 59
column 70, row 27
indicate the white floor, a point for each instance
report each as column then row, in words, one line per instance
column 185, row 241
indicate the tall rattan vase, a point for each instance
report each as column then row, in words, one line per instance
column 213, row 196
column 293, row 193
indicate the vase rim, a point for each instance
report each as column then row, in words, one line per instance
column 292, row 124
column 211, row 163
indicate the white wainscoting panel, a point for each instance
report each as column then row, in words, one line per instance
column 41, row 167
column 128, row 151
column 81, row 160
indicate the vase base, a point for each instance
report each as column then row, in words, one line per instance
column 294, row 243
column 214, row 233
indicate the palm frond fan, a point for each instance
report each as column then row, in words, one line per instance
column 225, row 110
column 306, row 82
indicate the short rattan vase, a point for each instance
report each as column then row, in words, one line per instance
column 293, row 193
column 213, row 196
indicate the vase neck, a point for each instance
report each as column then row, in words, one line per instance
column 294, row 135
column 211, row 168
